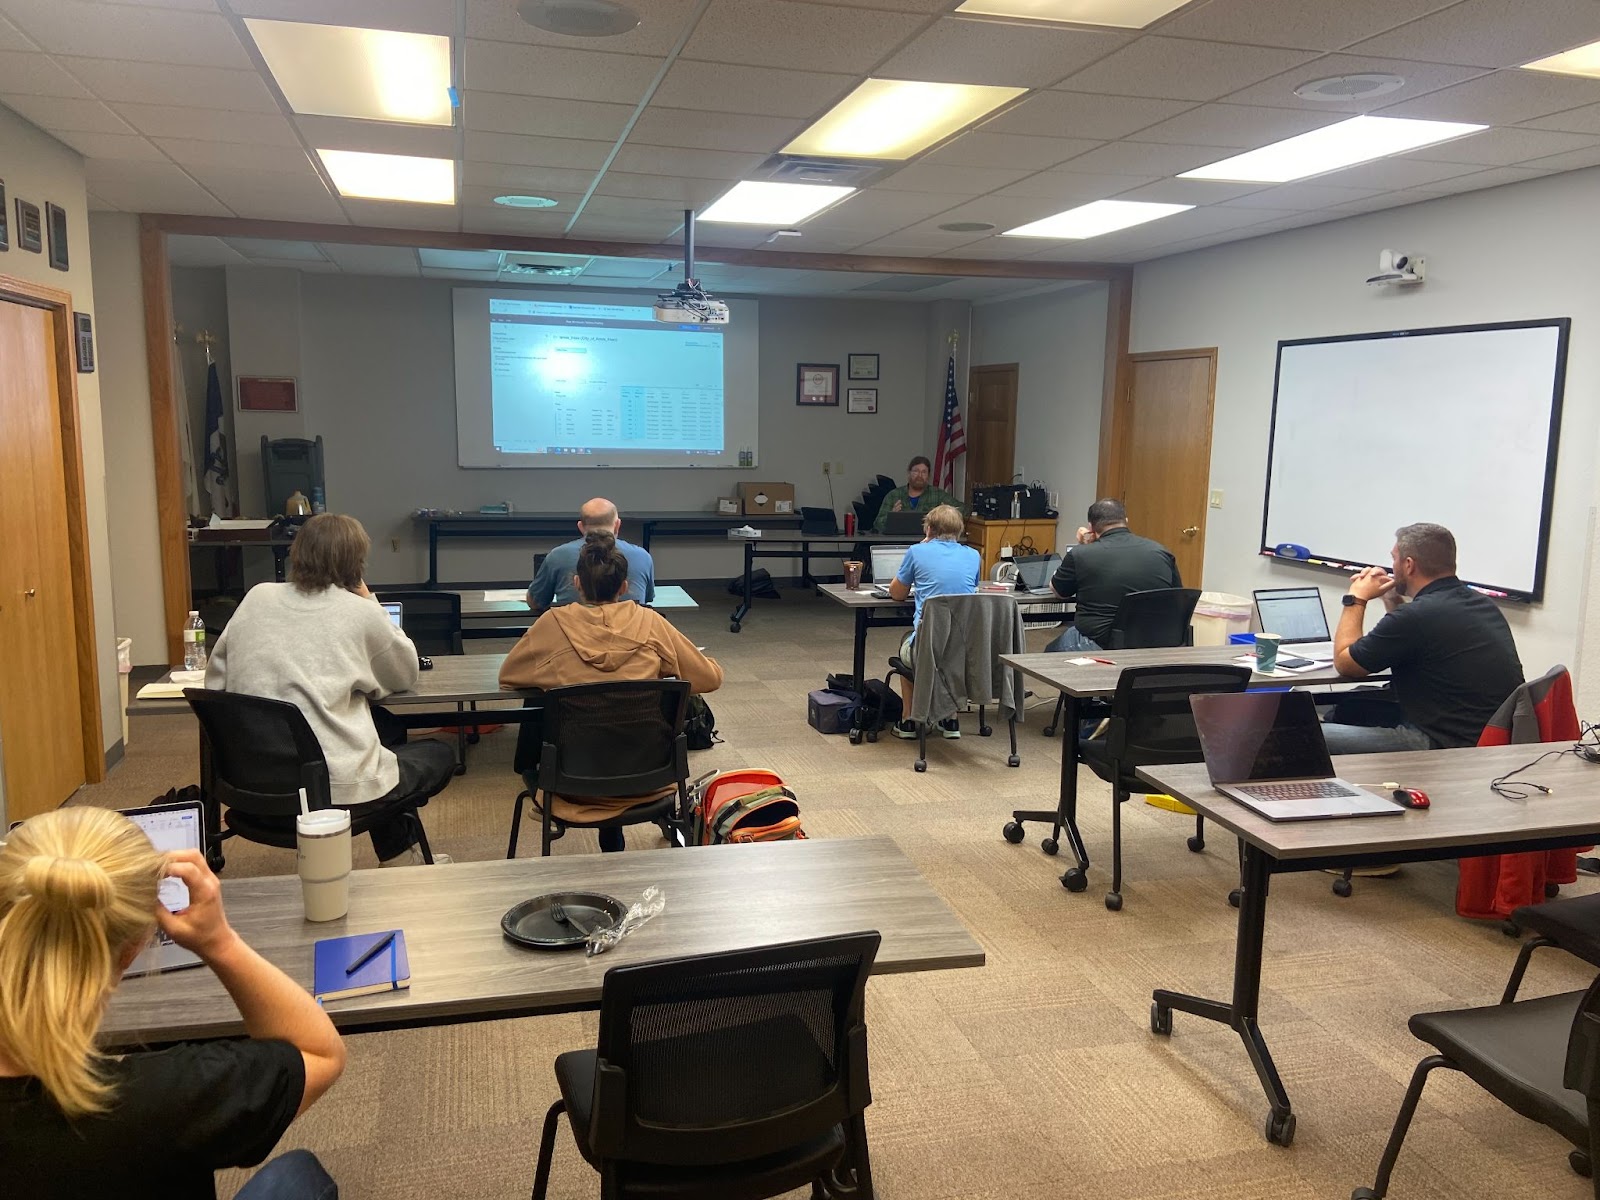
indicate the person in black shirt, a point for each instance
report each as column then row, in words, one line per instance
column 1109, row 562
column 1449, row 651
column 78, row 901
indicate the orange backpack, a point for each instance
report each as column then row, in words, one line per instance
column 747, row 805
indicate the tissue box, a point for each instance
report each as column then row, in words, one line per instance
column 728, row 506
column 767, row 499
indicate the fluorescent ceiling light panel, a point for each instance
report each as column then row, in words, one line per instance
column 1358, row 140
column 370, row 74
column 896, row 118
column 360, row 175
column 1585, row 60
column 751, row 203
column 1091, row 220
column 1122, row 14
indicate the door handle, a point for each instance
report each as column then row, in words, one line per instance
column 1191, row 531
column 30, row 593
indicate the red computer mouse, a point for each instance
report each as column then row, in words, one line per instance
column 1411, row 798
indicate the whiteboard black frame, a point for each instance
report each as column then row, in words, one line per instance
column 1563, row 326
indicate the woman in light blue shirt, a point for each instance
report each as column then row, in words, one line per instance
column 939, row 565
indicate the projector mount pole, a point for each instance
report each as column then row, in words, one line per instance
column 688, row 247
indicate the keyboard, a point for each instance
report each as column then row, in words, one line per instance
column 1314, row 790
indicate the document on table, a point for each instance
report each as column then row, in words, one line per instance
column 506, row 594
column 171, row 688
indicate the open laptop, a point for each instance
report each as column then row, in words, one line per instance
column 1034, row 572
column 1294, row 614
column 1266, row 750
column 904, row 524
column 396, row 615
column 169, row 827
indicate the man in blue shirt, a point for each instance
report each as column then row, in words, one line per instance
column 939, row 565
column 552, row 586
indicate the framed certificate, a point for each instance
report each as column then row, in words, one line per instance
column 863, row 366
column 817, row 384
column 862, row 400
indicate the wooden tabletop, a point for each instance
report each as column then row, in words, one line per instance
column 463, row 968
column 1463, row 811
column 862, row 597
column 1097, row 679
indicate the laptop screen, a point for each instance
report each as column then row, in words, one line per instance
column 169, row 828
column 394, row 611
column 1035, row 570
column 1294, row 614
column 1247, row 736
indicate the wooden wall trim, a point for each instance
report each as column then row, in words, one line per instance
column 877, row 264
column 59, row 305
column 172, row 516
column 1111, row 479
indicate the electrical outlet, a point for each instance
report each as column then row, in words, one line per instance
column 1216, row 497
column 826, row 467
column 838, row 468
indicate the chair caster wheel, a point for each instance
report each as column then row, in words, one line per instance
column 1050, row 846
column 1160, row 1020
column 985, row 730
column 1074, row 880
column 1364, row 1194
column 733, row 627
column 855, row 737
column 473, row 738
column 1511, row 929
column 1114, row 901
column 1048, row 731
column 1341, row 888
column 1013, row 832
column 1014, row 760
column 1552, row 890
column 216, row 863
column 1280, row 1129
column 1579, row 1162
column 460, row 769
column 920, row 765
column 1234, row 897
column 1197, row 844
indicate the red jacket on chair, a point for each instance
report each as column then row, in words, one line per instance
column 1492, row 885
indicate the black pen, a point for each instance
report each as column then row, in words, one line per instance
column 372, row 952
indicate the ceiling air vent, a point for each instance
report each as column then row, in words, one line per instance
column 841, row 172
column 546, row 266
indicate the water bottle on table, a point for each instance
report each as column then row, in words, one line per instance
column 194, row 642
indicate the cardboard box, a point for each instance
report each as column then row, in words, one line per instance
column 767, row 499
column 729, row 506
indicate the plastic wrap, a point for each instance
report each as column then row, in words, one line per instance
column 649, row 904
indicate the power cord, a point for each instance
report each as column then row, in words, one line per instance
column 1523, row 789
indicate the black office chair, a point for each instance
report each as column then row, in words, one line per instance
column 255, row 756
column 727, row 1076
column 1151, row 725
column 432, row 620
column 1571, row 924
column 1540, row 1058
column 606, row 739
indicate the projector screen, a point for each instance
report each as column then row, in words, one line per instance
column 555, row 378
column 1457, row 426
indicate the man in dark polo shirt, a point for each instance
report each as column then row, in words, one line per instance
column 1448, row 650
column 1109, row 562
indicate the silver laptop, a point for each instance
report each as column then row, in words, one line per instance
column 1034, row 572
column 169, row 827
column 1266, row 750
column 1294, row 614
column 396, row 615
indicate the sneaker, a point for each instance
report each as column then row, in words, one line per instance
column 412, row 857
column 951, row 728
column 905, row 729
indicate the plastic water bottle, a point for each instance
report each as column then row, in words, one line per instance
column 194, row 642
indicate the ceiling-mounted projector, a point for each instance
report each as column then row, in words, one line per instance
column 689, row 301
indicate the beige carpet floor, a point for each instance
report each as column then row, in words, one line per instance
column 1035, row 1076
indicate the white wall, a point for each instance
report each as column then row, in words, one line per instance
column 375, row 361
column 36, row 167
column 1058, row 342
column 1522, row 251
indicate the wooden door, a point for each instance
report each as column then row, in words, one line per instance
column 1166, row 441
column 42, row 736
column 991, row 425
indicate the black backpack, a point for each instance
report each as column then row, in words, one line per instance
column 761, row 585
column 878, row 709
column 700, row 726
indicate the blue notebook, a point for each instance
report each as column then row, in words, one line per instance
column 387, row 971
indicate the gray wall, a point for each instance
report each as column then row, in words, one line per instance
column 375, row 361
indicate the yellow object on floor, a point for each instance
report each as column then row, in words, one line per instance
column 1162, row 800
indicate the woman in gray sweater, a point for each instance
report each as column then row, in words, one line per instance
column 322, row 643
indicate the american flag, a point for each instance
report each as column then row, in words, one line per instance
column 952, row 435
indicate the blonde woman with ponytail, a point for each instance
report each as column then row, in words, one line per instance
column 78, row 901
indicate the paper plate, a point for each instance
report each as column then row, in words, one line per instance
column 531, row 923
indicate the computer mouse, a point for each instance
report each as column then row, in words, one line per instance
column 1411, row 798
column 424, row 663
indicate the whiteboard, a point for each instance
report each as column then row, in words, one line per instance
column 1456, row 426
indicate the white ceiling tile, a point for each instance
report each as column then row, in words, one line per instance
column 981, row 148
column 290, row 159
column 59, row 114
column 626, row 268
column 497, row 112
column 527, row 70
column 1299, row 24
column 1504, row 98
column 373, row 260
column 511, row 149
column 525, row 221
column 283, row 251
column 209, row 125
column 764, row 91
column 659, row 126
column 1379, row 202
column 165, row 83
column 937, row 177
column 1074, row 187
column 12, row 38
column 1004, row 212
column 1503, row 147
column 661, row 24
column 464, row 276
column 782, row 33
column 1494, row 177
column 1235, row 125
column 187, row 5
column 1575, row 120
column 616, row 229
column 1191, row 191
column 190, row 250
column 874, row 213
column 460, row 260
column 1420, row 79
column 1024, row 54
column 1301, row 196
column 663, row 160
column 154, row 35
column 376, row 137
column 498, row 179
column 1394, row 174
column 1082, row 115
column 31, row 74
column 173, row 195
column 113, row 145
column 914, row 245
column 409, row 16
column 386, row 214
column 1174, row 69
column 1488, row 33
column 632, row 208
column 277, row 195
column 995, row 246
column 1573, row 160
column 686, row 191
column 1146, row 158
column 321, row 267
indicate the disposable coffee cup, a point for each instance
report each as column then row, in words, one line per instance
column 323, row 840
column 852, row 575
column 1267, row 652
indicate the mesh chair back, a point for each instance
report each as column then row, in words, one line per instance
column 432, row 620
column 1156, row 618
column 726, row 1057
column 1582, row 1071
column 607, row 739
column 1151, row 721
column 261, row 752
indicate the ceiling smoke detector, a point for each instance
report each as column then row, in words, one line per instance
column 966, row 227
column 579, row 18
column 1339, row 88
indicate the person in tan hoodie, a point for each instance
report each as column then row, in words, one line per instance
column 603, row 638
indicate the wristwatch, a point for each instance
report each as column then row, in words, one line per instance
column 1350, row 601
